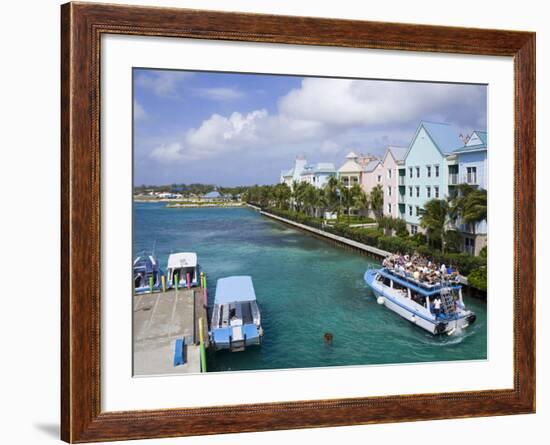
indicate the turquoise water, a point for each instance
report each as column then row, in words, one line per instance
column 305, row 287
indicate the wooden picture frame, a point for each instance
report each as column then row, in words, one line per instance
column 82, row 26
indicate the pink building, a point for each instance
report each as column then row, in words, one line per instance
column 389, row 172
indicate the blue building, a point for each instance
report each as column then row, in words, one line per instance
column 425, row 170
column 470, row 167
column 317, row 174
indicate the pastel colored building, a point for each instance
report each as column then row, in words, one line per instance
column 387, row 175
column 318, row 174
column 469, row 166
column 294, row 174
column 424, row 173
column 372, row 175
column 352, row 171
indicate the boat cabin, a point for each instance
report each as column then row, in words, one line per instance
column 236, row 321
column 146, row 274
column 425, row 294
column 183, row 270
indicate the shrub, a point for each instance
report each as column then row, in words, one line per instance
column 483, row 252
column 478, row 278
column 453, row 241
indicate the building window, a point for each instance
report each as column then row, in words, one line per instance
column 428, row 171
column 414, row 229
column 411, row 210
column 428, row 192
column 418, row 172
column 471, row 175
column 389, row 209
column 417, row 211
column 469, row 245
column 410, row 191
column 436, row 171
column 436, row 191
column 389, row 191
column 379, row 178
column 417, row 192
column 389, row 173
column 410, row 172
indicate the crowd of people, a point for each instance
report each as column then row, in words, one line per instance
column 420, row 269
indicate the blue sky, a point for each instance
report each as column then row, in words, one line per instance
column 243, row 129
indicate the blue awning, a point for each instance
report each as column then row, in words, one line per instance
column 234, row 290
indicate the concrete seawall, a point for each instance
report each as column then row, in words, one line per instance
column 339, row 239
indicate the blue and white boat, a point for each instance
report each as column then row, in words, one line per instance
column 147, row 274
column 236, row 321
column 436, row 307
column 182, row 267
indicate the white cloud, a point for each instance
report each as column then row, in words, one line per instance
column 344, row 102
column 167, row 152
column 220, row 94
column 321, row 116
column 139, row 111
column 238, row 132
column 162, row 83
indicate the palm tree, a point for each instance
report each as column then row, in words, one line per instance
column 434, row 218
column 347, row 195
column 476, row 208
column 362, row 201
column 377, row 201
column 469, row 205
column 282, row 193
column 308, row 197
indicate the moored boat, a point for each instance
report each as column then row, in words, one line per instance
column 236, row 320
column 435, row 304
column 147, row 274
column 182, row 270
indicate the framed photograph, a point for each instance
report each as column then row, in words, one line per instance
column 274, row 222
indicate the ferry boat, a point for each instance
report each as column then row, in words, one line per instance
column 182, row 267
column 147, row 274
column 415, row 300
column 236, row 321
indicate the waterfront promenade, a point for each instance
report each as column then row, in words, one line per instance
column 339, row 239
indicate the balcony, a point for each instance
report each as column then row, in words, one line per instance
column 401, row 180
column 453, row 178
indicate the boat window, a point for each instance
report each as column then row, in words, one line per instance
column 386, row 281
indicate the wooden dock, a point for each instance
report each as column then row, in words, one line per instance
column 159, row 320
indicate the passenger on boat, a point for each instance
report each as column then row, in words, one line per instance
column 437, row 306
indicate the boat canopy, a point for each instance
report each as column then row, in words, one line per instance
column 426, row 291
column 234, row 290
column 183, row 259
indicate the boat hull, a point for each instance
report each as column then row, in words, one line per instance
column 415, row 313
column 236, row 338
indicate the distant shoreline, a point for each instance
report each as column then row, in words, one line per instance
column 174, row 204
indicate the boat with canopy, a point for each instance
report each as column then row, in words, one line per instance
column 236, row 320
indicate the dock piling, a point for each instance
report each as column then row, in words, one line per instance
column 202, row 346
column 163, row 281
column 188, row 280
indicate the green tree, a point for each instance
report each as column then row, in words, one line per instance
column 331, row 197
column 362, row 202
column 476, row 208
column 468, row 206
column 434, row 218
column 377, row 201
